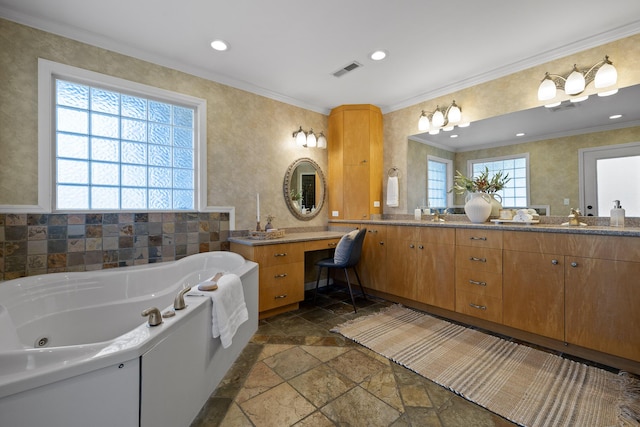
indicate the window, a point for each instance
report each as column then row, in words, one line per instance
column 516, row 193
column 439, row 181
column 118, row 145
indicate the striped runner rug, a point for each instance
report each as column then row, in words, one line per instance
column 526, row 386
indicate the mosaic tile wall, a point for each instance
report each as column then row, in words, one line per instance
column 33, row 244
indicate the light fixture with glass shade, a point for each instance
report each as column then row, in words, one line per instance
column 574, row 86
column 441, row 119
column 309, row 139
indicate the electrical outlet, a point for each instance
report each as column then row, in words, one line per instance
column 376, row 204
column 335, row 213
column 566, row 202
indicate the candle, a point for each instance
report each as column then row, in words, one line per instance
column 258, row 207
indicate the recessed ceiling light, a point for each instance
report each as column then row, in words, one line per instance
column 453, row 136
column 615, row 116
column 378, row 55
column 520, row 134
column 219, row 45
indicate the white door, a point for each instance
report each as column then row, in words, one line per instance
column 607, row 174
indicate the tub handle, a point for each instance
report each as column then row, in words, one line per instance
column 178, row 302
column 155, row 318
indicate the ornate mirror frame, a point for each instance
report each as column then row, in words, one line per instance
column 288, row 190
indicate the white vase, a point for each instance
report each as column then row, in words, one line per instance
column 496, row 205
column 478, row 207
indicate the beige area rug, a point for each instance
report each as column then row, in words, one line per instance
column 524, row 385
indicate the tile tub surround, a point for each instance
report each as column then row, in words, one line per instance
column 33, row 244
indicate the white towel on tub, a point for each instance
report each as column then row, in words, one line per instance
column 392, row 192
column 229, row 310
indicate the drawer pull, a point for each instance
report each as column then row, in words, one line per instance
column 282, row 254
column 280, row 276
column 477, row 238
column 477, row 259
column 475, row 282
column 381, row 243
column 554, row 261
column 372, row 231
column 280, row 296
column 479, row 307
column 421, row 247
column 332, row 244
column 412, row 246
column 574, row 264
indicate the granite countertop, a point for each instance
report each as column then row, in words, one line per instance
column 542, row 226
column 290, row 238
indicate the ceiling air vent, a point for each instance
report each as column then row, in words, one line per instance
column 344, row 70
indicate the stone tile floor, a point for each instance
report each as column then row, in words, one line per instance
column 295, row 372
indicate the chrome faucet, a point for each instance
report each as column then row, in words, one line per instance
column 437, row 216
column 155, row 318
column 178, row 302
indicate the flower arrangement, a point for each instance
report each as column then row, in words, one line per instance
column 295, row 195
column 482, row 183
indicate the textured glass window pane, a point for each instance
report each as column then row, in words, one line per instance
column 160, row 177
column 135, row 153
column 72, row 197
column 159, row 155
column 134, row 130
column 159, row 134
column 105, row 173
column 69, row 120
column 134, row 176
column 134, row 198
column 105, row 198
column 183, row 117
column 72, row 172
column 182, row 178
column 134, row 107
column 104, row 125
column 72, row 146
column 182, row 199
column 105, row 149
column 160, row 199
column 183, row 158
column 72, row 94
column 183, row 137
column 105, row 101
column 159, row 112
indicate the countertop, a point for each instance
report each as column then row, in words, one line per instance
column 290, row 238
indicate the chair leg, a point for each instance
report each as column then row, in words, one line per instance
column 317, row 283
column 355, row 270
column 353, row 301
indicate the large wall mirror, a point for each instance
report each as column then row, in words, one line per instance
column 304, row 189
column 554, row 139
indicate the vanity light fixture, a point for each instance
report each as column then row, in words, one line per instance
column 309, row 139
column 441, row 119
column 603, row 74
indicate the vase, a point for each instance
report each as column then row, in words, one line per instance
column 478, row 207
column 496, row 205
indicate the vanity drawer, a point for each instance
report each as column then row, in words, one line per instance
column 316, row 245
column 480, row 306
column 279, row 295
column 479, row 282
column 278, row 274
column 479, row 259
column 279, row 254
column 479, row 238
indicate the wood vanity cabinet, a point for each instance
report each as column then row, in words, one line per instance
column 372, row 267
column 355, row 155
column 478, row 271
column 420, row 264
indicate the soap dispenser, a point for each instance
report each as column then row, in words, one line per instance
column 617, row 215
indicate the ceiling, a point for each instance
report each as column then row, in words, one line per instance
column 289, row 49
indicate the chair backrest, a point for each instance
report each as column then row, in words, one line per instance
column 356, row 248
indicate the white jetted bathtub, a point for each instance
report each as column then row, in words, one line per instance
column 75, row 350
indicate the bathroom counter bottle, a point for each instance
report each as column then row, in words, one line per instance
column 617, row 215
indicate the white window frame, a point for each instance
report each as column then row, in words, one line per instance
column 449, row 173
column 48, row 71
column 471, row 162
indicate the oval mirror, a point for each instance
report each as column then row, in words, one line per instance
column 304, row 189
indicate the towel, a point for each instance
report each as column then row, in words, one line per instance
column 392, row 192
column 228, row 310
column 522, row 215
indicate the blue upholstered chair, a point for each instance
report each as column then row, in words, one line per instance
column 346, row 255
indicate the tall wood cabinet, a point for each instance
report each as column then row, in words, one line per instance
column 355, row 155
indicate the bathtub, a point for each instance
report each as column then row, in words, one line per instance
column 75, row 350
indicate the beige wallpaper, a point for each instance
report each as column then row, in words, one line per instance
column 249, row 138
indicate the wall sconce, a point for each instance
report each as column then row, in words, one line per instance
column 441, row 118
column 603, row 74
column 309, row 139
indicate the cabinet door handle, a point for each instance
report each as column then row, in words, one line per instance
column 477, row 259
column 554, row 261
column 477, row 238
column 475, row 282
column 280, row 296
column 381, row 243
column 412, row 246
column 421, row 247
column 372, row 231
column 280, row 276
column 332, row 244
column 479, row 307
column 282, row 254
column 574, row 264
